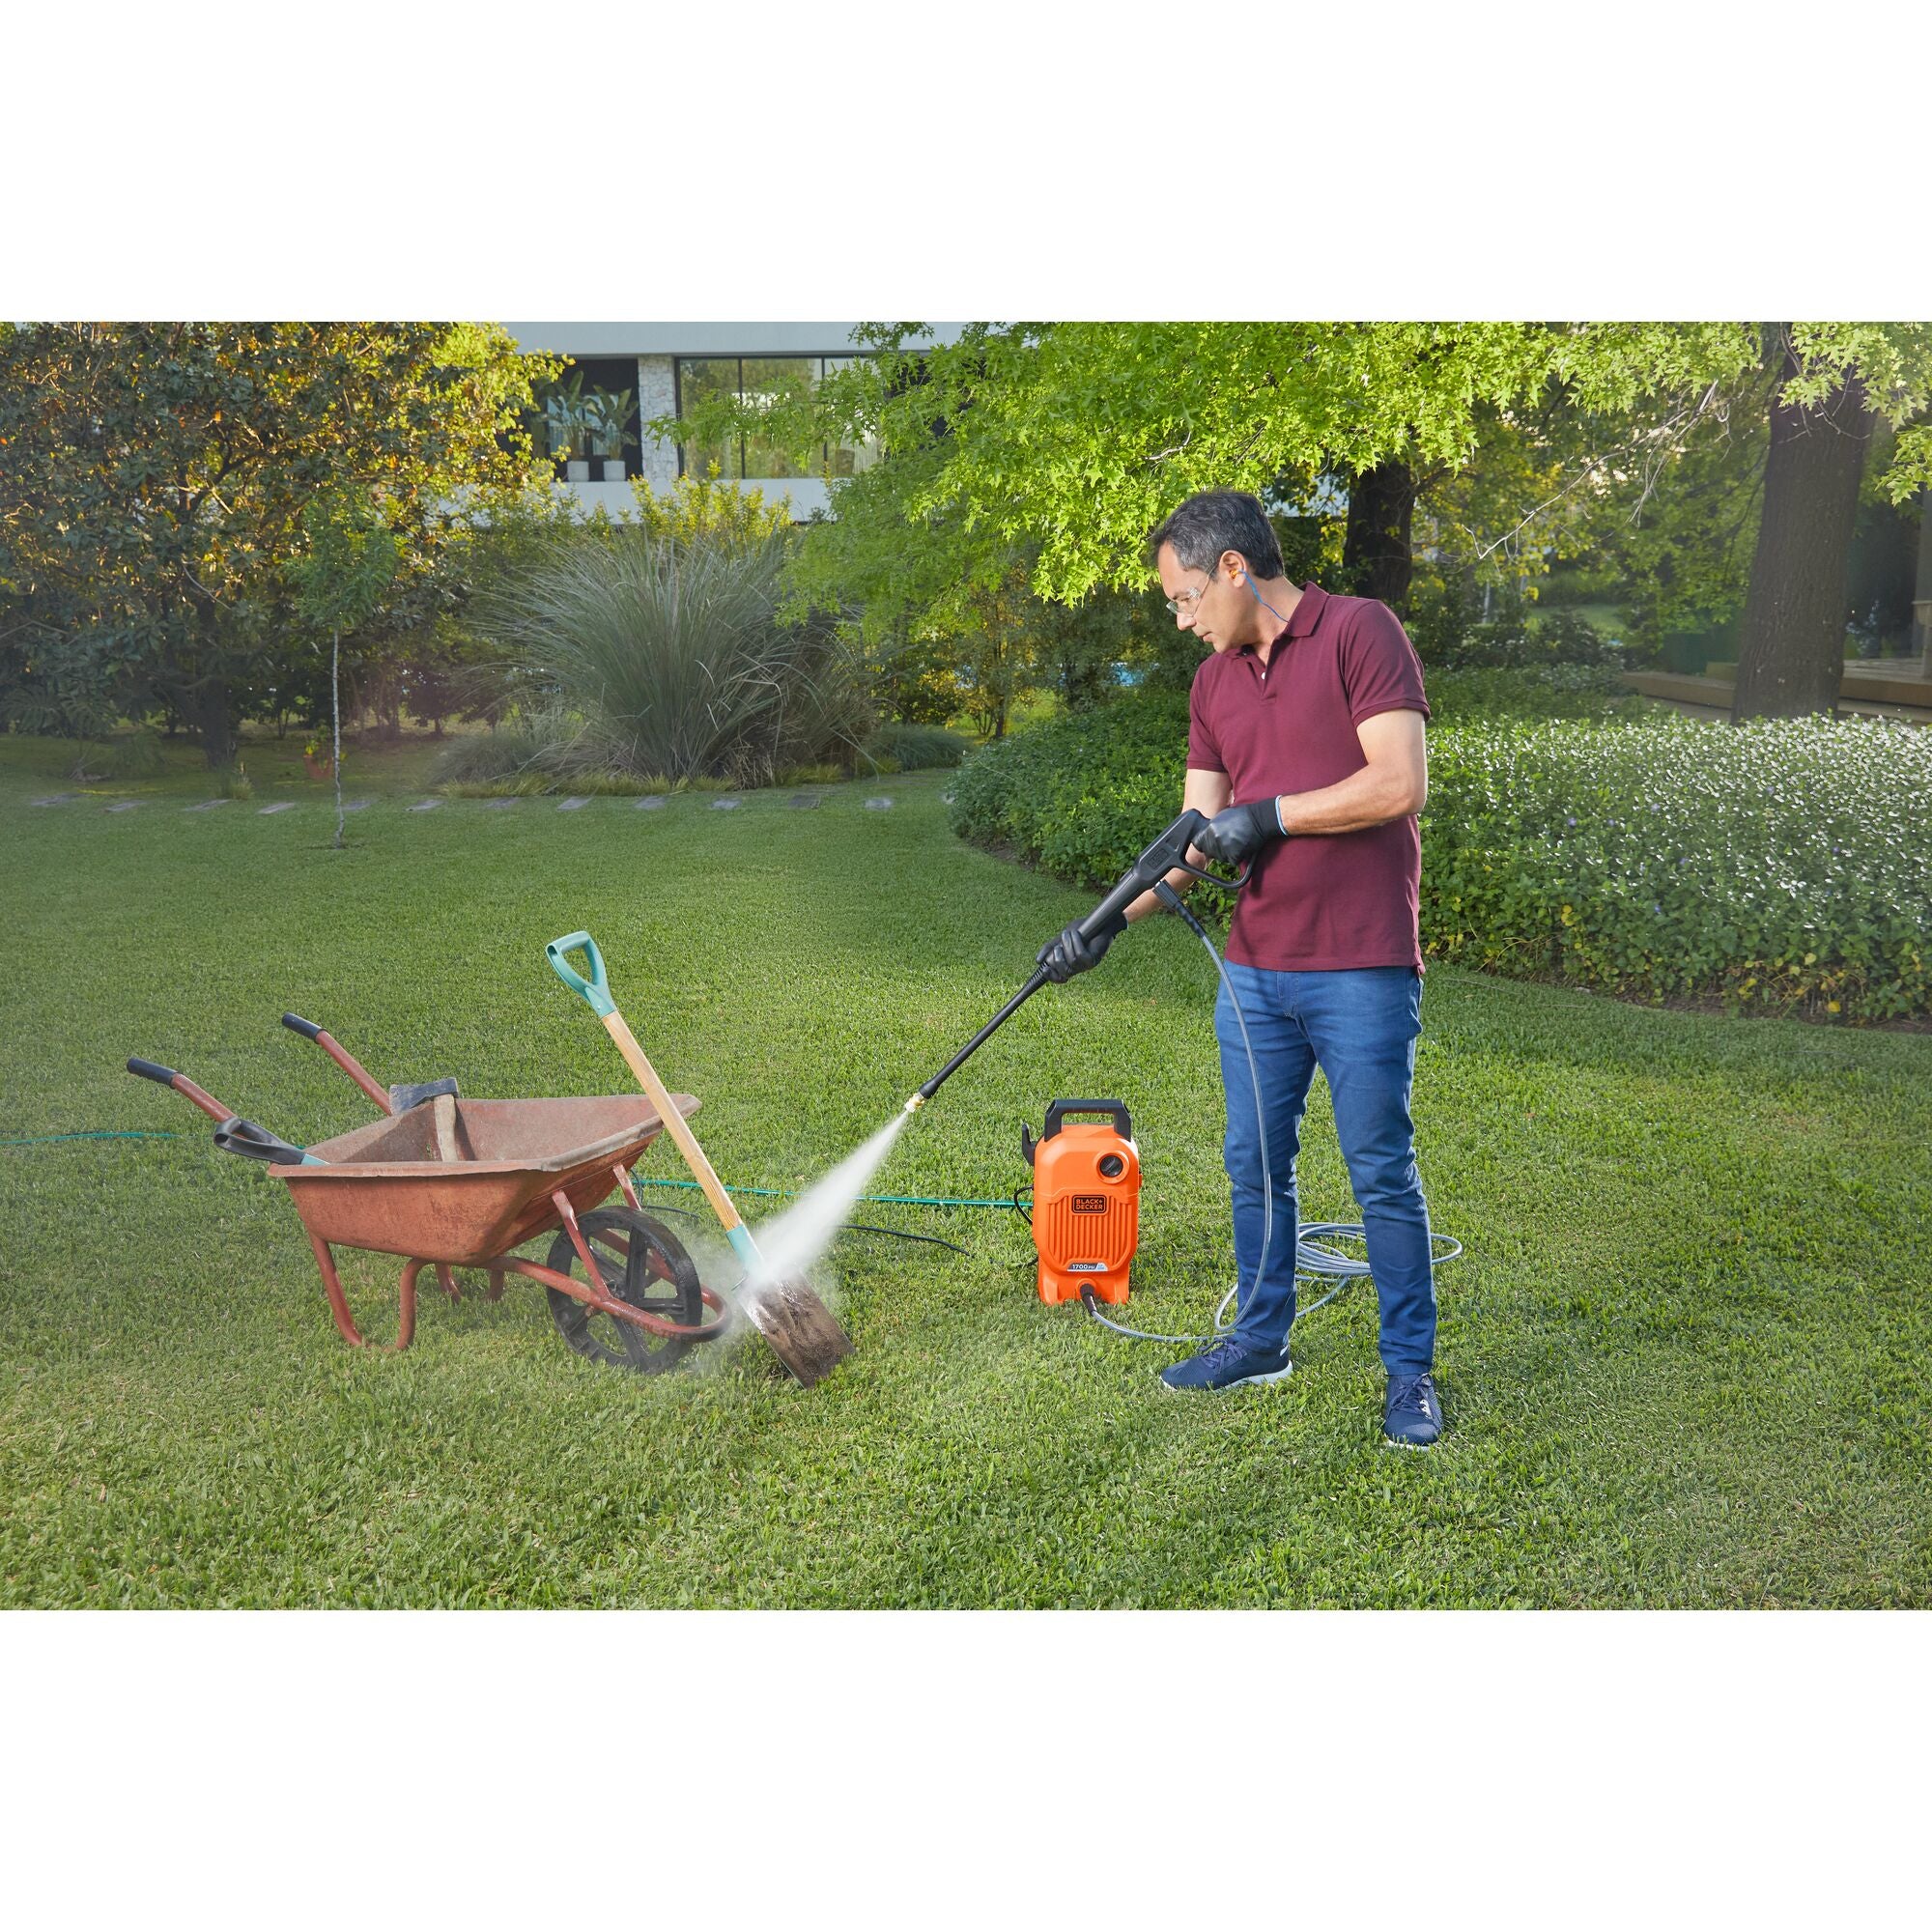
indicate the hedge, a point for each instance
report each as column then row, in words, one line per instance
column 1783, row 867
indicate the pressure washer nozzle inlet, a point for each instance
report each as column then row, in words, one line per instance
column 917, row 1101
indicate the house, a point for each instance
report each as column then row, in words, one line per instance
column 666, row 366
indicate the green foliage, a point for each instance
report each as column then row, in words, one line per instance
column 138, row 756
column 1568, row 690
column 1781, row 867
column 1082, row 795
column 713, row 512
column 1450, row 634
column 161, row 474
column 917, row 747
column 349, row 561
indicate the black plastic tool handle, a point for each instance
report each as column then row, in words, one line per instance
column 148, row 1069
column 236, row 1135
column 306, row 1028
column 1167, row 854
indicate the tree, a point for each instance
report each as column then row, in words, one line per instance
column 1832, row 382
column 1072, row 439
column 339, row 582
column 155, row 476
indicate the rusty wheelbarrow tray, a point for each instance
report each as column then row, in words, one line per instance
column 448, row 1182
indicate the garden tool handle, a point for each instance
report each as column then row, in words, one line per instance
column 148, row 1069
column 384, row 1103
column 676, row 1124
column 596, row 989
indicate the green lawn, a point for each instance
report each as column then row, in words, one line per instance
column 1685, row 1360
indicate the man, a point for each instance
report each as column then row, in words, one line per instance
column 1305, row 753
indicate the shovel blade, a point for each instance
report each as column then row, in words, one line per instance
column 799, row 1328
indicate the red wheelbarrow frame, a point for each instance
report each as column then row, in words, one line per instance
column 386, row 1189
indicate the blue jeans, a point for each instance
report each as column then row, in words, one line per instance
column 1360, row 1027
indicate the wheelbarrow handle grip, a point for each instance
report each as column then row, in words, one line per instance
column 596, row 989
column 306, row 1028
column 166, row 1076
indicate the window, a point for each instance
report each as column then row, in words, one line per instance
column 756, row 379
column 613, row 375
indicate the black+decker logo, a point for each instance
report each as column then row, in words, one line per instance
column 1089, row 1204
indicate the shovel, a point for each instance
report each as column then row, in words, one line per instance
column 799, row 1327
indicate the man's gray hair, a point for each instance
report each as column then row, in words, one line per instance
column 1213, row 521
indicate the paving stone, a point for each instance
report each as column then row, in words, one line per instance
column 126, row 805
column 725, row 804
column 426, row 805
column 286, row 805
column 652, row 804
column 573, row 805
column 208, row 804
column 878, row 805
column 356, row 804
column 803, row 801
column 500, row 803
column 59, row 798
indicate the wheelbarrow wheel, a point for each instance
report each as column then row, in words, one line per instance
column 644, row 1264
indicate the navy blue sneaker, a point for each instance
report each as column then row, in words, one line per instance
column 1226, row 1365
column 1411, row 1416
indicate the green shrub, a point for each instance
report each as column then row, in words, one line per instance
column 486, row 757
column 1533, row 691
column 1783, row 866
column 919, row 748
column 234, row 782
column 138, row 756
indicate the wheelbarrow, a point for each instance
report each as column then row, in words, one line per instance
column 448, row 1182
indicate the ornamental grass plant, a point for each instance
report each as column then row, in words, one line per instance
column 669, row 659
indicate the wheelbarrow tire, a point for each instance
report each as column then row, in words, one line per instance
column 644, row 1265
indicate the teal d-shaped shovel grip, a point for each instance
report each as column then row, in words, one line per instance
column 596, row 989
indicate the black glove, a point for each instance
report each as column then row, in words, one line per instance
column 1073, row 953
column 1234, row 837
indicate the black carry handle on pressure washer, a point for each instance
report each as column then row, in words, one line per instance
column 1057, row 1113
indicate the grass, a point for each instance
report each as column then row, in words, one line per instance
column 1685, row 1360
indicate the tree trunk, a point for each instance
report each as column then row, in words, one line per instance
column 1376, row 553
column 1921, row 592
column 1791, row 638
column 207, row 710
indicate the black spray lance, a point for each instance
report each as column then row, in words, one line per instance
column 1167, row 854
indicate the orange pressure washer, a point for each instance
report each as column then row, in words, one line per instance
column 1086, row 1201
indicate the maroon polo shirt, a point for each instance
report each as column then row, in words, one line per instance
column 1317, row 902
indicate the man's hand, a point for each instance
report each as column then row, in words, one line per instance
column 1071, row 953
column 1234, row 837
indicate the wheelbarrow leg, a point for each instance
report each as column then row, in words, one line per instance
column 338, row 1304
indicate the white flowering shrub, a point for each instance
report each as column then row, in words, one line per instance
column 1781, row 865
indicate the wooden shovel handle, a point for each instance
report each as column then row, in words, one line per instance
column 675, row 1122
